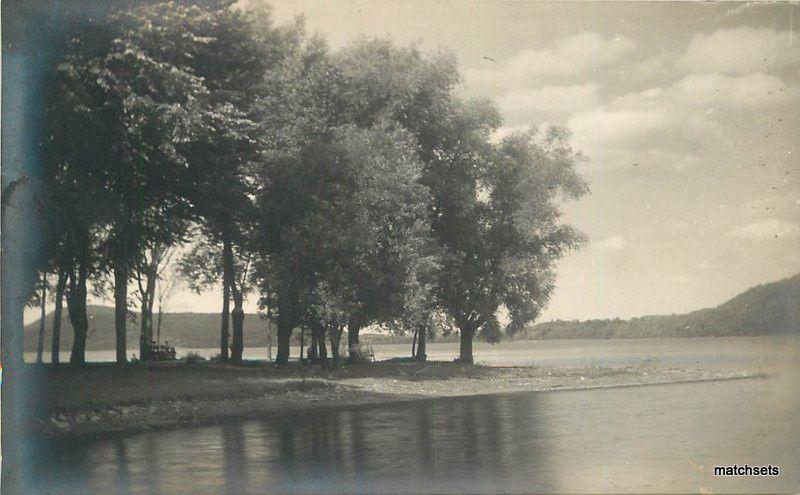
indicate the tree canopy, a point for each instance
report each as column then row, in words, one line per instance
column 348, row 188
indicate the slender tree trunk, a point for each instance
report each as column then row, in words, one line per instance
column 148, row 298
column 414, row 343
column 322, row 348
column 121, row 310
column 312, row 353
column 151, row 299
column 421, row 354
column 40, row 341
column 237, row 317
column 336, row 338
column 158, row 323
column 465, row 350
column 284, row 338
column 302, row 343
column 225, row 321
column 353, row 328
column 227, row 253
column 55, row 352
column 144, row 343
column 76, row 306
column 318, row 346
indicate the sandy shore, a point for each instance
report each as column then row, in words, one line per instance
column 100, row 399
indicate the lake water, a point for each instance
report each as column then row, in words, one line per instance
column 724, row 352
column 664, row 438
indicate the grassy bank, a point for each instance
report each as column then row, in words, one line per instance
column 103, row 399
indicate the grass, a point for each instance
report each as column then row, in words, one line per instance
column 98, row 385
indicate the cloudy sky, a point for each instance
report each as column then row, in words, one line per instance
column 689, row 113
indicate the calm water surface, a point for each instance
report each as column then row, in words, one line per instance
column 724, row 352
column 638, row 439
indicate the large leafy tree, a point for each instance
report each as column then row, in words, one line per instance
column 75, row 157
column 168, row 96
column 232, row 51
column 495, row 207
column 503, row 239
column 346, row 233
column 135, row 107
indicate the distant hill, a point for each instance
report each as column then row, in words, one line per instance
column 189, row 330
column 193, row 330
column 768, row 309
column 763, row 310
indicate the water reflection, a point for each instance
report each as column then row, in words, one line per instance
column 607, row 440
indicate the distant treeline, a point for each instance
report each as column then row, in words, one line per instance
column 187, row 330
column 763, row 310
column 768, row 309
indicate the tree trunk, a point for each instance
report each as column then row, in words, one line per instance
column 158, row 323
column 414, row 343
column 225, row 321
column 302, row 344
column 353, row 328
column 55, row 351
column 421, row 354
column 465, row 350
column 227, row 253
column 237, row 317
column 121, row 309
column 312, row 353
column 336, row 338
column 144, row 342
column 76, row 306
column 40, row 340
column 237, row 349
column 284, row 337
column 322, row 348
column 148, row 298
column 318, row 342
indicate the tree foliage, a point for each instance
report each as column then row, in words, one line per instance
column 351, row 188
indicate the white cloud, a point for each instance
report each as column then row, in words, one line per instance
column 756, row 90
column 574, row 55
column 613, row 243
column 570, row 57
column 602, row 128
column 740, row 50
column 548, row 102
column 665, row 125
column 771, row 228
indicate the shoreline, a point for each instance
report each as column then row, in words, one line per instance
column 222, row 393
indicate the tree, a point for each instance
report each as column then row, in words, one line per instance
column 58, row 299
column 345, row 232
column 42, row 315
column 135, row 107
column 381, row 81
column 74, row 168
column 165, row 288
column 148, row 272
column 202, row 267
column 38, row 298
column 231, row 49
column 502, row 243
column 472, row 214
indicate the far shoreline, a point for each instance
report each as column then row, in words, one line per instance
column 30, row 355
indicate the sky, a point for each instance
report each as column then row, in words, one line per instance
column 689, row 114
